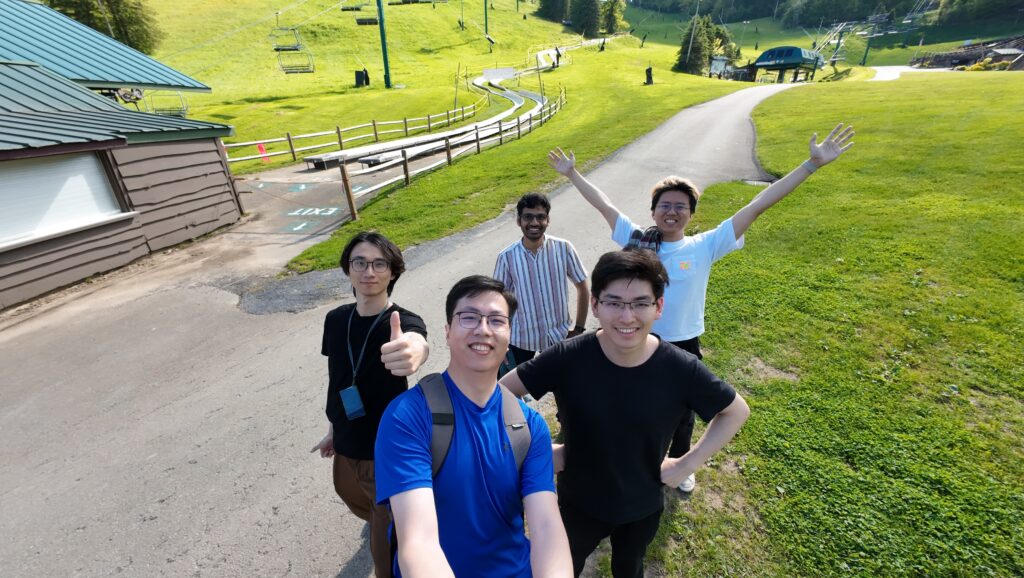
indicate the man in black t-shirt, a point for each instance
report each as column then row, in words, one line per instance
column 621, row 392
column 371, row 346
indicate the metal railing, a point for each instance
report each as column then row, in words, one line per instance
column 371, row 131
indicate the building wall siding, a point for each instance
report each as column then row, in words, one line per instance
column 181, row 190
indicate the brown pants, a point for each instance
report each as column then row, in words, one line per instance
column 353, row 480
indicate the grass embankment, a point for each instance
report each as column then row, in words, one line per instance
column 608, row 107
column 874, row 322
column 425, row 47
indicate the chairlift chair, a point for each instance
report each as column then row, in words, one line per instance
column 167, row 104
column 295, row 62
column 286, row 39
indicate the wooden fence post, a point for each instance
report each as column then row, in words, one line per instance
column 530, row 125
column 448, row 150
column 405, row 165
column 477, row 140
column 376, row 137
column 429, row 126
column 519, row 128
column 291, row 146
column 501, row 134
column 463, row 113
column 341, row 141
column 447, row 118
column 405, row 123
column 347, row 185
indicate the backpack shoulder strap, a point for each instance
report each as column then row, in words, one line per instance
column 443, row 418
column 515, row 424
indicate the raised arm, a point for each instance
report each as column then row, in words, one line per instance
column 419, row 546
column 549, row 546
column 721, row 429
column 565, row 164
column 834, row 145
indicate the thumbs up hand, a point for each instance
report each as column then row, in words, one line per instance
column 406, row 352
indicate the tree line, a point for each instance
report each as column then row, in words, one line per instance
column 127, row 21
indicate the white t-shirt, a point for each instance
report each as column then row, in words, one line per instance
column 688, row 263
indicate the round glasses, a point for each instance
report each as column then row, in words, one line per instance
column 360, row 265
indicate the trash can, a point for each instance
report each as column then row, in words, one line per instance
column 360, row 79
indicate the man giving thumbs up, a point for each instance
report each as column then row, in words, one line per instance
column 371, row 346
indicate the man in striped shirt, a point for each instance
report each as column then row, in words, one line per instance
column 534, row 268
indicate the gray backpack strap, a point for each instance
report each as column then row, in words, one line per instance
column 515, row 424
column 443, row 418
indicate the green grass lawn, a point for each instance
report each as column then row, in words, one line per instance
column 225, row 45
column 477, row 188
column 874, row 322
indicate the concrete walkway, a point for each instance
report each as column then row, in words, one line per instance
column 886, row 73
column 153, row 427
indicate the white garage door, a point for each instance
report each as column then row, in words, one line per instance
column 45, row 196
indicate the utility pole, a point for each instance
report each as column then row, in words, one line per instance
column 486, row 32
column 867, row 46
column 693, row 30
column 744, row 34
column 383, row 43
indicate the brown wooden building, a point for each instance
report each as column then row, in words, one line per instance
column 87, row 186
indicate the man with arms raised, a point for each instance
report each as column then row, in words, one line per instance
column 467, row 520
column 621, row 392
column 688, row 259
column 534, row 269
column 371, row 346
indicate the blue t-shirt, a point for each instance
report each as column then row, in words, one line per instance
column 478, row 495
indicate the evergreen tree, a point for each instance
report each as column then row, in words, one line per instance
column 696, row 47
column 612, row 19
column 127, row 21
column 553, row 10
column 585, row 16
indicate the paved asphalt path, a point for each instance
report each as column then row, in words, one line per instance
column 153, row 426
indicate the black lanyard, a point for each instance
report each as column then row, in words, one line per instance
column 351, row 359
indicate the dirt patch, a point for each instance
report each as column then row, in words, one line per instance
column 758, row 370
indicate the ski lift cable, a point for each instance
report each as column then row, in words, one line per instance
column 230, row 33
column 319, row 14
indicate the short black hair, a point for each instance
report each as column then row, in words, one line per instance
column 533, row 201
column 474, row 285
column 674, row 183
column 630, row 263
column 392, row 254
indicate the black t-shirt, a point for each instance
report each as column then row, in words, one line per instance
column 618, row 421
column 377, row 386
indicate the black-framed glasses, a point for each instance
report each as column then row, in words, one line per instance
column 472, row 319
column 530, row 217
column 638, row 307
column 360, row 265
column 666, row 207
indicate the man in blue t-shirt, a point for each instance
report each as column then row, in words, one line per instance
column 468, row 520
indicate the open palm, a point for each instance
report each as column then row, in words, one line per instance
column 834, row 145
column 561, row 162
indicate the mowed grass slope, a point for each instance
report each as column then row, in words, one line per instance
column 874, row 321
column 226, row 45
column 608, row 107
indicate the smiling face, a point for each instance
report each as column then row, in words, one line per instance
column 369, row 283
column 627, row 327
column 671, row 214
column 480, row 349
column 533, row 222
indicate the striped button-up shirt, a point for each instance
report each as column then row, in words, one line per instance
column 538, row 281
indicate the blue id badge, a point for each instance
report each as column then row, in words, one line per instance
column 352, row 402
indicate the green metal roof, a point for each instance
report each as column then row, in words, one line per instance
column 32, row 32
column 788, row 57
column 41, row 109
